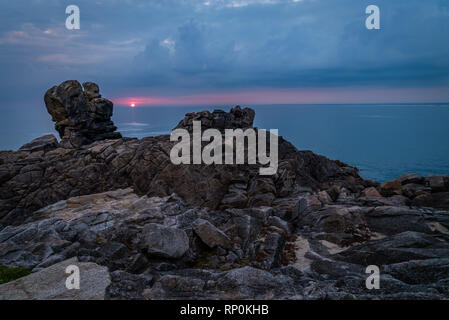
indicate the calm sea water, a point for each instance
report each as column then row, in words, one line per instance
column 383, row 141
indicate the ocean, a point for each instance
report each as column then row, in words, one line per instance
column 383, row 141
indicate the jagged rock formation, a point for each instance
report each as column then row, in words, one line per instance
column 218, row 119
column 32, row 180
column 162, row 248
column 169, row 231
column 81, row 116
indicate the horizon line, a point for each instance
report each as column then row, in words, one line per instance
column 121, row 105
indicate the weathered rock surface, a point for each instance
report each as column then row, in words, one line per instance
column 107, row 229
column 32, row 180
column 154, row 230
column 50, row 283
column 211, row 235
column 167, row 242
column 45, row 143
column 81, row 116
column 235, row 118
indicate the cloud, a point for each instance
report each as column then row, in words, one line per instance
column 284, row 45
column 202, row 46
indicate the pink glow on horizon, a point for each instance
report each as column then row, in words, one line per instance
column 296, row 96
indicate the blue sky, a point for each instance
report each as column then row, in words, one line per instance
column 228, row 51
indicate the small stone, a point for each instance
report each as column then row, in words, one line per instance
column 437, row 182
column 309, row 203
column 324, row 197
column 412, row 190
column 371, row 192
column 234, row 200
column 279, row 223
column 211, row 235
column 232, row 257
column 164, row 241
column 391, row 188
column 261, row 213
column 408, row 178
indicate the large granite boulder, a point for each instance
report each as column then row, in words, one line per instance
column 81, row 116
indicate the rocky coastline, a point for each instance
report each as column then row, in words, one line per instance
column 143, row 228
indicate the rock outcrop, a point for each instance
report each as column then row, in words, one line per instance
column 218, row 119
column 164, row 231
column 30, row 180
column 50, row 283
column 81, row 116
column 44, row 143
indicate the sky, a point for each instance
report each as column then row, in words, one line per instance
column 227, row 52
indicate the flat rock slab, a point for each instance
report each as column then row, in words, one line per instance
column 50, row 283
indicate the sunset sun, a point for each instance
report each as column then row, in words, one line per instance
column 133, row 105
